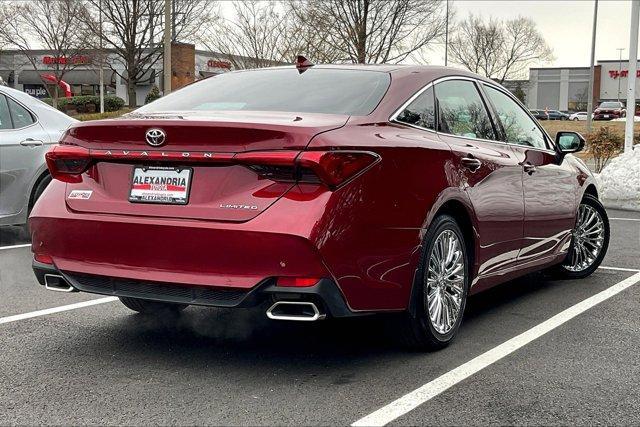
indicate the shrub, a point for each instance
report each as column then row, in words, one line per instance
column 153, row 94
column 604, row 144
column 81, row 103
column 112, row 103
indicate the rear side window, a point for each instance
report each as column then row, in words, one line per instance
column 461, row 110
column 21, row 116
column 421, row 112
column 5, row 117
column 316, row 90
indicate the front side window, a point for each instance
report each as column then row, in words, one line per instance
column 21, row 116
column 461, row 110
column 5, row 116
column 518, row 126
column 421, row 112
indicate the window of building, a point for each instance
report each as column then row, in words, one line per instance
column 461, row 110
column 518, row 126
column 421, row 112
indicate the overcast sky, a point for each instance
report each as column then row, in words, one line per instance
column 566, row 25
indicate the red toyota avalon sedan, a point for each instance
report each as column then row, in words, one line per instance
column 318, row 191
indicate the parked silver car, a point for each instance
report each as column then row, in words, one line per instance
column 28, row 127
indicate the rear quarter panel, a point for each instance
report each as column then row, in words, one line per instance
column 371, row 233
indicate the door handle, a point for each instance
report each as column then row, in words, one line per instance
column 471, row 163
column 528, row 167
column 30, row 142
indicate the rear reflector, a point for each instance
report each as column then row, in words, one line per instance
column 298, row 282
column 44, row 259
column 67, row 162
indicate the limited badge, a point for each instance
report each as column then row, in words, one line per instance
column 80, row 194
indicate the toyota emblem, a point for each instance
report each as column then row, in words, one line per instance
column 155, row 137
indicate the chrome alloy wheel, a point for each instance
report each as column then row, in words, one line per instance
column 588, row 238
column 444, row 289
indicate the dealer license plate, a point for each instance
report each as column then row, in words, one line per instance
column 160, row 185
column 606, row 116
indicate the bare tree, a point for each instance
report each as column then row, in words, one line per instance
column 371, row 31
column 128, row 30
column 498, row 49
column 256, row 35
column 23, row 29
column 133, row 29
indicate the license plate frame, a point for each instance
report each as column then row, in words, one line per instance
column 180, row 197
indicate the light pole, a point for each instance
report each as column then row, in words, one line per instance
column 101, row 56
column 620, row 49
column 446, row 37
column 631, row 80
column 593, row 58
column 167, row 47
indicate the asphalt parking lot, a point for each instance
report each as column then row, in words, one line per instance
column 102, row 364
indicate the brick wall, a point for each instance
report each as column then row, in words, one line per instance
column 183, row 63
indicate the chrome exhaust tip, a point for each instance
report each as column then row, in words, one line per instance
column 298, row 311
column 57, row 283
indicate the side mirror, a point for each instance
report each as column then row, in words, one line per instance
column 569, row 142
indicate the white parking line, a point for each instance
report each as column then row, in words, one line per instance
column 423, row 394
column 626, row 219
column 632, row 270
column 26, row 245
column 46, row 311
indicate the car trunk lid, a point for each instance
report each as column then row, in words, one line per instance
column 202, row 148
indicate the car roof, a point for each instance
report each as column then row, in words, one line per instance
column 394, row 69
column 35, row 104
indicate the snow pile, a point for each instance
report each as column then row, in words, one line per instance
column 624, row 119
column 620, row 181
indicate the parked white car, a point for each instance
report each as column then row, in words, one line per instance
column 28, row 127
column 582, row 115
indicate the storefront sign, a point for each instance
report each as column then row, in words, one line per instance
column 75, row 60
column 36, row 90
column 213, row 63
column 614, row 74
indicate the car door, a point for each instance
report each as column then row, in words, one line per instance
column 489, row 171
column 549, row 185
column 22, row 147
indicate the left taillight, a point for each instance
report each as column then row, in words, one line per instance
column 67, row 162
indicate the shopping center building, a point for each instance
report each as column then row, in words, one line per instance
column 567, row 89
column 25, row 73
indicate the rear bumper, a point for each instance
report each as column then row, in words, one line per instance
column 325, row 294
column 180, row 251
column 606, row 116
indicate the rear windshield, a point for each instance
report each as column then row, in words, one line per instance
column 611, row 105
column 330, row 91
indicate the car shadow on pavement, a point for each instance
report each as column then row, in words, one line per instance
column 14, row 235
column 204, row 335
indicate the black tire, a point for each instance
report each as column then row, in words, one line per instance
column 417, row 329
column 561, row 270
column 148, row 307
column 38, row 190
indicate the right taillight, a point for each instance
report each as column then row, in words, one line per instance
column 67, row 162
column 332, row 168
column 335, row 168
